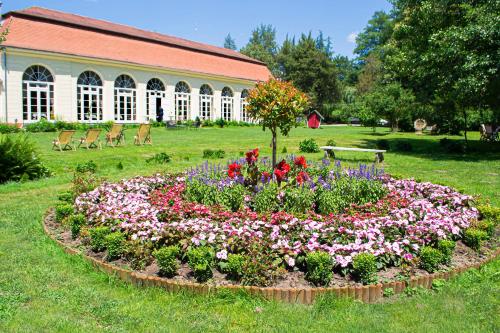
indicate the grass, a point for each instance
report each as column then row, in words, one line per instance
column 43, row 289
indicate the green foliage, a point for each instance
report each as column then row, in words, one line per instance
column 430, row 258
column 201, row 260
column 438, row 284
column 474, row 238
column 231, row 197
column 309, row 146
column 299, row 200
column 260, row 269
column 319, row 268
column 63, row 210
column 41, row 126
column 220, row 122
column 88, row 166
column 284, row 150
column 119, row 166
column 229, row 42
column 8, row 129
column 346, row 191
column 19, row 159
column 331, row 142
column 214, row 153
column 166, row 258
column 490, row 213
column 375, row 35
column 487, row 226
column 66, row 197
column 75, row 223
column 234, row 266
column 115, row 243
column 159, row 158
column 364, row 267
column 446, row 247
column 262, row 46
column 388, row 292
column 265, row 199
column 98, row 238
column 138, row 253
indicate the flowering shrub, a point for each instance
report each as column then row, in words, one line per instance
column 276, row 223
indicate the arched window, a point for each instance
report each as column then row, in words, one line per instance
column 206, row 101
column 243, row 104
column 227, row 104
column 125, row 99
column 155, row 94
column 182, row 101
column 89, row 97
column 38, row 94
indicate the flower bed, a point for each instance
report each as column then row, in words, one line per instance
column 257, row 226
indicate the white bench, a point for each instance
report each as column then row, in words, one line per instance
column 329, row 152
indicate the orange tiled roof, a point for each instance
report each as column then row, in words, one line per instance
column 47, row 30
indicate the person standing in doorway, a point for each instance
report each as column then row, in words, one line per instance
column 159, row 114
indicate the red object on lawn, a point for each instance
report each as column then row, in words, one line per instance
column 314, row 119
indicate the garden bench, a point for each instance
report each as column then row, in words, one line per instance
column 329, row 152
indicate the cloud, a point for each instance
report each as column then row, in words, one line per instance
column 351, row 38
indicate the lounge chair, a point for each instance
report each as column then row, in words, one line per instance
column 143, row 135
column 64, row 140
column 91, row 139
column 115, row 135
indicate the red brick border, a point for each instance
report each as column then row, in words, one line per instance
column 367, row 294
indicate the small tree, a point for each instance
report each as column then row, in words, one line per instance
column 277, row 105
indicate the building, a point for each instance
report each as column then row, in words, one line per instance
column 61, row 66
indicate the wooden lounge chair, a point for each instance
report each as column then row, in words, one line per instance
column 115, row 135
column 143, row 135
column 64, row 140
column 91, row 139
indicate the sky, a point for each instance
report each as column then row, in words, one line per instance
column 209, row 21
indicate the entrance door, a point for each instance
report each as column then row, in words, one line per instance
column 89, row 106
column 38, row 103
column 125, row 107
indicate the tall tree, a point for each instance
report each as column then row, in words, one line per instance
column 370, row 75
column 374, row 36
column 347, row 69
column 229, row 42
column 447, row 52
column 310, row 69
column 262, row 46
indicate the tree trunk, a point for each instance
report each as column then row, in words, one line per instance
column 274, row 142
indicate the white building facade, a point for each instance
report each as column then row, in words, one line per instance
column 68, row 86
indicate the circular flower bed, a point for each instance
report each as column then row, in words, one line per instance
column 256, row 225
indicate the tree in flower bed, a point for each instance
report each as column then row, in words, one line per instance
column 213, row 212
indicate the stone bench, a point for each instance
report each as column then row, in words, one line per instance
column 330, row 152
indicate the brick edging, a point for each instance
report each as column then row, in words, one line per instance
column 367, row 294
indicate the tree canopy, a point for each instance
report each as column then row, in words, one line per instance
column 229, row 42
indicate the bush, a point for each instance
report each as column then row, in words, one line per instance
column 98, row 238
column 446, row 247
column 299, row 200
column 284, row 150
column 88, row 166
column 201, row 260
column 403, row 146
column 308, row 146
column 430, row 258
column 234, row 266
column 382, row 144
column 75, row 223
column 452, row 146
column 231, row 197
column 41, row 126
column 160, row 158
column 7, row 129
column 265, row 199
column 490, row 213
column 474, row 238
column 365, row 267
column 115, row 243
column 207, row 123
column 66, row 197
column 220, row 122
column 166, row 258
column 331, row 142
column 138, row 252
column 319, row 268
column 63, row 210
column 487, row 226
column 19, row 159
column 209, row 153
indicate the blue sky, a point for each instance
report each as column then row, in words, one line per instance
column 209, row 21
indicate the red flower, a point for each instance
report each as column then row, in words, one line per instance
column 301, row 162
column 280, row 174
column 265, row 176
column 283, row 166
column 234, row 170
column 301, row 177
column 252, row 156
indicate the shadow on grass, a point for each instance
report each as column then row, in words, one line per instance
column 432, row 149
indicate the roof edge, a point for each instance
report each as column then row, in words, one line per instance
column 21, row 13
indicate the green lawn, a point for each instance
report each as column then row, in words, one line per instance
column 44, row 289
